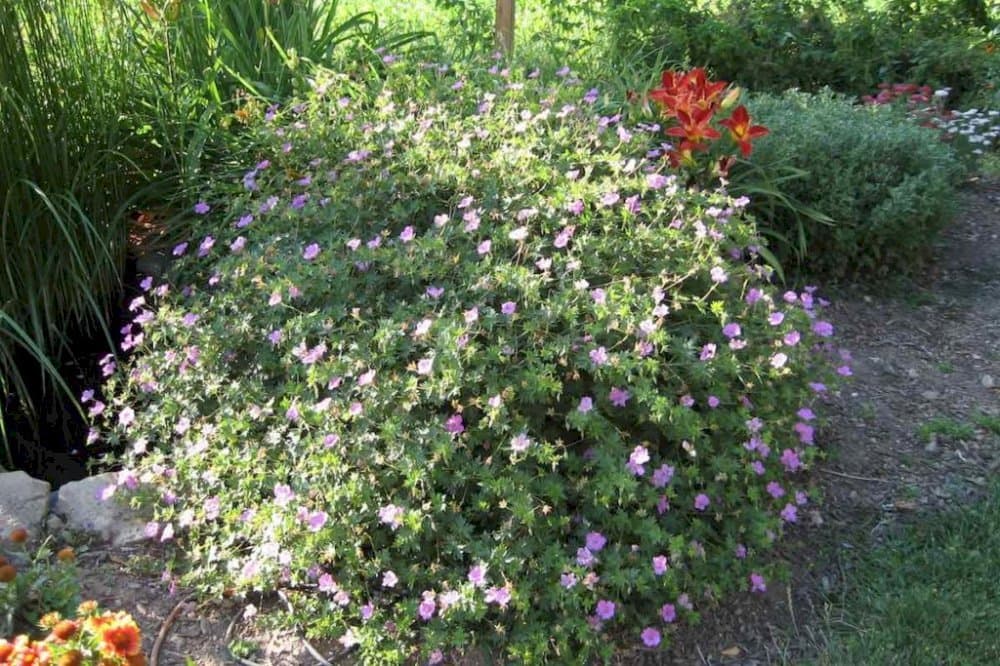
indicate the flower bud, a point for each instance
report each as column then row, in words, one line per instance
column 731, row 98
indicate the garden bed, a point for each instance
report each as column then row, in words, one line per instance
column 925, row 360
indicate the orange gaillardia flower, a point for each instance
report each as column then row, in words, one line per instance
column 742, row 131
column 65, row 630
column 24, row 652
column 49, row 620
column 66, row 554
column 87, row 607
column 7, row 573
column 71, row 658
column 18, row 535
column 119, row 636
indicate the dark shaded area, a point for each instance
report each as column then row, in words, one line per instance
column 51, row 442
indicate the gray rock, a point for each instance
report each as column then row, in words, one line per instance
column 24, row 501
column 80, row 505
column 54, row 524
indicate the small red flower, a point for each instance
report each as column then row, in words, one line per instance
column 742, row 131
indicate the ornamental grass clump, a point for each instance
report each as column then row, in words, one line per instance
column 457, row 362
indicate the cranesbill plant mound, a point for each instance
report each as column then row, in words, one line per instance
column 457, row 362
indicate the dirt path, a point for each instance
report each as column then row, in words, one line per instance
column 930, row 350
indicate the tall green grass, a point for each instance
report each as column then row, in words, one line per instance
column 201, row 60
column 65, row 178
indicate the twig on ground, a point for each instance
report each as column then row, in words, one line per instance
column 229, row 639
column 154, row 655
column 854, row 476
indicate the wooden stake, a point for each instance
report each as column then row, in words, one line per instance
column 505, row 26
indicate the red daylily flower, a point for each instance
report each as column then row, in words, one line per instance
column 742, row 131
column 695, row 127
column 689, row 92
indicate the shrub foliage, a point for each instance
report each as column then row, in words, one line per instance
column 457, row 362
column 887, row 184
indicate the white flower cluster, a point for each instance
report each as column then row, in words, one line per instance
column 980, row 129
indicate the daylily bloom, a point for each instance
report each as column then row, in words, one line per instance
column 694, row 127
column 742, row 131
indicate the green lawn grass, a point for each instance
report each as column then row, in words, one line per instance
column 930, row 595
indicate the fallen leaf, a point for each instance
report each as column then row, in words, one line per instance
column 731, row 652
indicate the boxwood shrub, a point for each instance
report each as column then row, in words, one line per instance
column 887, row 184
column 457, row 363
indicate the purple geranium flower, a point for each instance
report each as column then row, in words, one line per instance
column 454, row 424
column 605, row 609
column 599, row 356
column 520, row 443
column 790, row 459
column 477, row 575
column 498, row 595
column 595, row 541
column 391, row 515
column 426, row 609
column 822, row 328
column 636, row 460
column 662, row 476
column 668, row 612
column 317, row 519
column 619, row 397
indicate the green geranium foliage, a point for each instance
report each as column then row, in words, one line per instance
column 458, row 363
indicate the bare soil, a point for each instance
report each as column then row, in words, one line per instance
column 923, row 348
